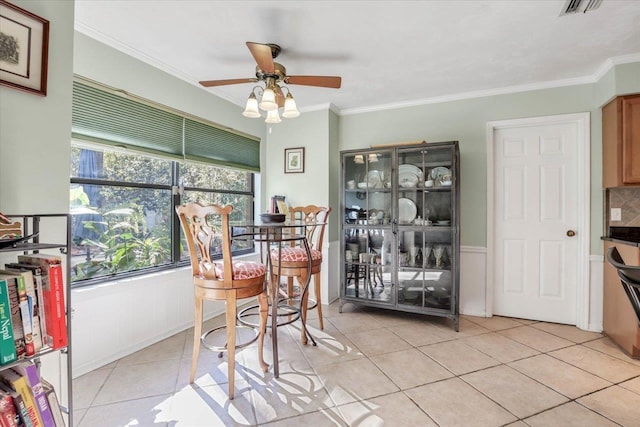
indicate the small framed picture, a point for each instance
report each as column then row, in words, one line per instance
column 294, row 160
column 24, row 49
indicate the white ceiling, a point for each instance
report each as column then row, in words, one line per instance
column 388, row 53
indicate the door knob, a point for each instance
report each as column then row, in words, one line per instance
column 571, row 233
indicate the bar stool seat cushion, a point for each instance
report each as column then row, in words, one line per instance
column 242, row 270
column 293, row 254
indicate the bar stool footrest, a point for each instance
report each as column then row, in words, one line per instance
column 210, row 346
column 284, row 310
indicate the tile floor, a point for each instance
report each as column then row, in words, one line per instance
column 373, row 367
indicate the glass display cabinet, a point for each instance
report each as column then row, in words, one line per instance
column 400, row 240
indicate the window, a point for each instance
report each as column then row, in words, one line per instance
column 132, row 163
column 123, row 210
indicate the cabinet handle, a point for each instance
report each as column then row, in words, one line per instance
column 571, row 233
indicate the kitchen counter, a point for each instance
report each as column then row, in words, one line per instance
column 626, row 235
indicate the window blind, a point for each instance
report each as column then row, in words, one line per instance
column 213, row 145
column 107, row 118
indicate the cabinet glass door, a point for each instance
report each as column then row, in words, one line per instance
column 368, row 264
column 368, row 205
column 367, row 187
column 425, row 210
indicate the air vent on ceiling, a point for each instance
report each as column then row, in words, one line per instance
column 575, row 6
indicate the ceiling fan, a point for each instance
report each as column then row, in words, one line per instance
column 274, row 75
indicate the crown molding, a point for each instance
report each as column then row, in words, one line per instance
column 600, row 72
column 612, row 62
column 320, row 107
column 128, row 50
column 470, row 95
column 607, row 65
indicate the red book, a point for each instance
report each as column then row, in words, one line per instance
column 53, row 296
column 8, row 415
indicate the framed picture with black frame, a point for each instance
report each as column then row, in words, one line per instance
column 24, row 49
column 294, row 160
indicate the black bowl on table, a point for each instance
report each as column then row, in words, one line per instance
column 272, row 217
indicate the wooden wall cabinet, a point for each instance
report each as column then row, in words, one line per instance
column 620, row 321
column 621, row 141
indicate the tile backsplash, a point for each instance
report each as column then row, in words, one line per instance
column 627, row 199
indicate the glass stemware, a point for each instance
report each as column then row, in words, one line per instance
column 425, row 255
column 437, row 252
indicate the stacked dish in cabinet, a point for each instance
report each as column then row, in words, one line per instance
column 400, row 233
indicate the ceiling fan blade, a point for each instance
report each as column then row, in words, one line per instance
column 322, row 81
column 262, row 54
column 210, row 83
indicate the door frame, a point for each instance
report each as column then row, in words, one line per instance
column 582, row 122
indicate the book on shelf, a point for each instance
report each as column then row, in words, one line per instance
column 29, row 371
column 282, row 207
column 25, row 310
column 8, row 415
column 53, row 296
column 22, row 415
column 54, row 403
column 16, row 316
column 39, row 326
column 278, row 205
column 7, row 344
column 19, row 384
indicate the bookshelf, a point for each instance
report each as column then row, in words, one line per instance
column 52, row 232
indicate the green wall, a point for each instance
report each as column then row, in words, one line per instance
column 311, row 131
column 466, row 121
column 334, row 176
column 34, row 130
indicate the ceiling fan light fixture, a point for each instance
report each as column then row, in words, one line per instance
column 290, row 109
column 273, row 116
column 274, row 77
column 251, row 109
column 268, row 101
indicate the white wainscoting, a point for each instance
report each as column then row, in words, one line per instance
column 332, row 289
column 473, row 283
column 113, row 320
column 473, row 280
column 473, row 276
column 596, row 282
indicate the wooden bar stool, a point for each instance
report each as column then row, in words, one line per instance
column 206, row 229
column 294, row 261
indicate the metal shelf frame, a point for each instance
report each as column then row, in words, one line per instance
column 32, row 224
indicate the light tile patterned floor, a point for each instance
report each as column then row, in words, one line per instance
column 374, row 367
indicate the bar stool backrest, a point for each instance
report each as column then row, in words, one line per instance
column 206, row 229
column 311, row 214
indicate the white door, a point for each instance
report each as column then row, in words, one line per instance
column 536, row 219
